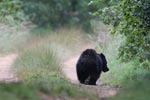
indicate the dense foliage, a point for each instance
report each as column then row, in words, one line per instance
column 132, row 19
column 53, row 13
column 11, row 10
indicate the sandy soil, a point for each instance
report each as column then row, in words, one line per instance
column 6, row 71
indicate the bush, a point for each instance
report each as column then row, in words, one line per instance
column 11, row 11
column 120, row 72
column 57, row 13
column 51, row 13
column 130, row 18
column 45, row 12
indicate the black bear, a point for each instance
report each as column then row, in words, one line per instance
column 90, row 65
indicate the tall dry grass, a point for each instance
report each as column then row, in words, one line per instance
column 39, row 63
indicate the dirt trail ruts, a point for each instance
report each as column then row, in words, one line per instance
column 6, row 72
column 7, row 75
column 102, row 90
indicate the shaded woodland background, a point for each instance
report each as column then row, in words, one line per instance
column 46, row 32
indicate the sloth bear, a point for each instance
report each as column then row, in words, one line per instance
column 90, row 65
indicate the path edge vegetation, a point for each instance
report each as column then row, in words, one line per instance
column 126, row 19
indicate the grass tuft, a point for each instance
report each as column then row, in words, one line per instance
column 17, row 91
column 120, row 72
column 39, row 64
column 137, row 90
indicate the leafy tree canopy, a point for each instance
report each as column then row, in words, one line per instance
column 53, row 13
column 132, row 19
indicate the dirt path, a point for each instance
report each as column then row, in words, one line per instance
column 7, row 75
column 6, row 71
column 102, row 90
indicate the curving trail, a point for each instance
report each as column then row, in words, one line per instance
column 69, row 69
column 7, row 75
column 6, row 72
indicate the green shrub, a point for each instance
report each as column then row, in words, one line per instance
column 120, row 72
column 56, row 13
column 17, row 91
column 11, row 11
column 45, row 13
column 131, row 19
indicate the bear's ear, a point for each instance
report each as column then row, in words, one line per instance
column 104, row 63
column 102, row 55
column 103, row 58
